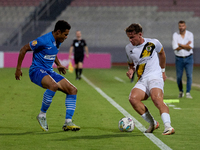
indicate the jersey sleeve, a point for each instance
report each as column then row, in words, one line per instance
column 159, row 46
column 37, row 44
column 84, row 43
column 129, row 60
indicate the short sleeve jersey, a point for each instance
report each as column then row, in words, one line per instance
column 45, row 50
column 79, row 46
column 145, row 58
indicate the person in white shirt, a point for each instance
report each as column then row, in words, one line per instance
column 183, row 44
column 147, row 58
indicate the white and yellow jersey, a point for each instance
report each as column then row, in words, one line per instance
column 145, row 58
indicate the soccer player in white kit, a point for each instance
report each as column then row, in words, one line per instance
column 147, row 57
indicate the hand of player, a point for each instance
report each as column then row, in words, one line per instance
column 18, row 73
column 164, row 76
column 129, row 73
column 62, row 69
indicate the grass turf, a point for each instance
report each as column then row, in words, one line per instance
column 21, row 101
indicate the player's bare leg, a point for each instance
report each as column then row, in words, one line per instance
column 49, row 83
column 157, row 98
column 135, row 99
column 70, row 102
column 65, row 86
column 52, row 87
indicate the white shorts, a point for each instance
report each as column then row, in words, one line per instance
column 147, row 84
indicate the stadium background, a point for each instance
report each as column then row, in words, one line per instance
column 102, row 22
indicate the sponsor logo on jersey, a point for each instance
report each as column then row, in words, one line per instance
column 34, row 43
column 147, row 50
column 145, row 55
column 50, row 57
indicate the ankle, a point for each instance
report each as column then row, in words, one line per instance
column 167, row 125
column 42, row 114
column 68, row 120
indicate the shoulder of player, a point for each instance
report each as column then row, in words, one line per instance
column 45, row 40
column 46, row 37
column 152, row 40
column 129, row 46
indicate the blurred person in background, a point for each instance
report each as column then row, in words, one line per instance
column 147, row 58
column 183, row 44
column 45, row 49
column 78, row 46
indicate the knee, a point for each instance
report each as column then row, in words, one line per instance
column 73, row 90
column 158, row 102
column 53, row 87
column 133, row 100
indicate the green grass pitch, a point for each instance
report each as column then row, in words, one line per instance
column 20, row 103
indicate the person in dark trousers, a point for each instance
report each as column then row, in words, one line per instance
column 79, row 46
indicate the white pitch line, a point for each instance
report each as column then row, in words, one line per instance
column 120, row 80
column 177, row 108
column 151, row 136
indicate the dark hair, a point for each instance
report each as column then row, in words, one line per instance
column 181, row 21
column 62, row 26
column 134, row 27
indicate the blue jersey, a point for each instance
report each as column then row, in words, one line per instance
column 45, row 50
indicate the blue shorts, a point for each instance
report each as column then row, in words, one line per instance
column 37, row 74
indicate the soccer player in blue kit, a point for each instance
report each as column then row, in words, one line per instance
column 45, row 49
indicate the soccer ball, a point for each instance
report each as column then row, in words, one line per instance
column 126, row 124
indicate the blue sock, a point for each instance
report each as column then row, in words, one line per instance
column 47, row 99
column 70, row 103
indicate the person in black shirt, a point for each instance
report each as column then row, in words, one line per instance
column 78, row 45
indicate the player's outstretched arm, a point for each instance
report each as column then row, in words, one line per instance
column 61, row 68
column 162, row 59
column 22, row 53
